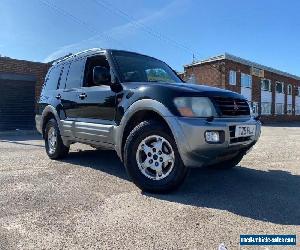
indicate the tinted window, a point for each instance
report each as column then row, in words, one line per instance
column 158, row 75
column 91, row 63
column 75, row 74
column 138, row 68
column 63, row 77
column 52, row 78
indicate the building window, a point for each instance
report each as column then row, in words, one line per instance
column 298, row 94
column 266, row 85
column 289, row 89
column 279, row 87
column 279, row 108
column 257, row 72
column 246, row 80
column 232, row 77
column 289, row 109
column 297, row 110
column 265, row 108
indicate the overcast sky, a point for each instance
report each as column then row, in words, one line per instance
column 267, row 32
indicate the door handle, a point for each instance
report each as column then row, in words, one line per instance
column 58, row 97
column 82, row 96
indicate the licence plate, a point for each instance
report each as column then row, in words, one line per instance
column 244, row 130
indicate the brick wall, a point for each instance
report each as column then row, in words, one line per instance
column 210, row 73
column 37, row 69
column 181, row 75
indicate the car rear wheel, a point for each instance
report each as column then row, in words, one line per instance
column 152, row 159
column 53, row 143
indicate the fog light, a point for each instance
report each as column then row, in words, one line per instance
column 212, row 136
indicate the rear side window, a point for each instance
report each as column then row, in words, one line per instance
column 52, row 78
column 64, row 75
column 75, row 74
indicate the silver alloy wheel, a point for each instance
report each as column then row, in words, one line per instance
column 52, row 140
column 155, row 157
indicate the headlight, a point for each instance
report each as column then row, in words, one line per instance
column 195, row 106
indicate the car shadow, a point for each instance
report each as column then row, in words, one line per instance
column 103, row 160
column 271, row 196
column 21, row 137
column 26, row 140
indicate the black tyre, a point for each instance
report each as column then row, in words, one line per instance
column 53, row 143
column 230, row 163
column 152, row 159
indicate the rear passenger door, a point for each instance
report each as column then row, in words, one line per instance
column 69, row 91
column 50, row 90
column 70, row 86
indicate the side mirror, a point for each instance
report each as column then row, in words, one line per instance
column 101, row 76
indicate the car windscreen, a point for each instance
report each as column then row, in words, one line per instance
column 138, row 68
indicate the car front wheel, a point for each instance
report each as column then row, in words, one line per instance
column 152, row 159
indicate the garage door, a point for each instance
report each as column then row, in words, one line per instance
column 17, row 104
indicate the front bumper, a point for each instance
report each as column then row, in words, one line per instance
column 196, row 152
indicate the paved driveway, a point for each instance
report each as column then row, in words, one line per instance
column 87, row 201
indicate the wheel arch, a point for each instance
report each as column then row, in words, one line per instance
column 49, row 113
column 140, row 111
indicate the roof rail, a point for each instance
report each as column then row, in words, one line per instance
column 56, row 61
column 87, row 50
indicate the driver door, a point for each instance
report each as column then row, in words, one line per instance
column 97, row 105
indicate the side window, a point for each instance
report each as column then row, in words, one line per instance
column 74, row 78
column 63, row 76
column 91, row 62
column 52, row 78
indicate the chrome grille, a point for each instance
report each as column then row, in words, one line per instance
column 232, row 107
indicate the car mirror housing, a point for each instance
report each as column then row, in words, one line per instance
column 101, row 76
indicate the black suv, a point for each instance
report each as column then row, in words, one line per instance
column 137, row 105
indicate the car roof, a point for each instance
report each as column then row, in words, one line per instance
column 92, row 51
column 71, row 56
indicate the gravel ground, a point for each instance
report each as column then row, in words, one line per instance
column 86, row 201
